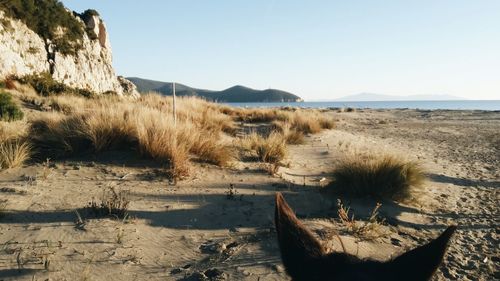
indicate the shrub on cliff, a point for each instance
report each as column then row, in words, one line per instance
column 46, row 17
column 45, row 85
column 9, row 110
column 85, row 16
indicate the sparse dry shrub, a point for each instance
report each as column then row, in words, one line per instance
column 369, row 229
column 113, row 204
column 270, row 149
column 379, row 176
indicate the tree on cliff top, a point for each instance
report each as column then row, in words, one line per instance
column 45, row 17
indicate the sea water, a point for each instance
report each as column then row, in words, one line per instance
column 448, row 104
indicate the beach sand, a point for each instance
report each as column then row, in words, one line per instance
column 201, row 224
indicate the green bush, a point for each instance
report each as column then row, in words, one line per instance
column 9, row 110
column 44, row 17
column 86, row 16
column 45, row 85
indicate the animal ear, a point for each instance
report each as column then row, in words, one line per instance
column 299, row 248
column 421, row 262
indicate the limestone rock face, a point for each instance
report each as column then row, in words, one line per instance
column 23, row 52
column 128, row 87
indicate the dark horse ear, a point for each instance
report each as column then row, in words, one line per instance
column 300, row 250
column 421, row 262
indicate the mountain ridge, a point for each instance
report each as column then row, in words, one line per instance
column 237, row 93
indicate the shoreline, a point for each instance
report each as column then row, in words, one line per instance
column 486, row 105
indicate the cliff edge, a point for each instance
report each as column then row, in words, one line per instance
column 82, row 61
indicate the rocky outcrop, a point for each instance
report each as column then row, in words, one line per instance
column 24, row 52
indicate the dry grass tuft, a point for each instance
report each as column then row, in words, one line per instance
column 209, row 149
column 311, row 122
column 382, row 176
column 270, row 149
column 258, row 115
column 159, row 138
column 14, row 154
column 14, row 149
column 326, row 123
column 292, row 136
column 13, row 130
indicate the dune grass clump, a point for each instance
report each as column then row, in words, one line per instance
column 306, row 124
column 292, row 136
column 382, row 176
column 160, row 139
column 271, row 149
column 326, row 123
column 15, row 150
column 9, row 110
column 208, row 149
column 146, row 126
column 14, row 153
column 310, row 123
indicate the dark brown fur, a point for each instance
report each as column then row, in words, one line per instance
column 305, row 258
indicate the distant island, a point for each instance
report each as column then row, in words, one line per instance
column 379, row 97
column 233, row 94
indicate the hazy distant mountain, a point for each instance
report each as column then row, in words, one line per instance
column 377, row 97
column 233, row 94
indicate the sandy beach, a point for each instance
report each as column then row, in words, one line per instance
column 219, row 221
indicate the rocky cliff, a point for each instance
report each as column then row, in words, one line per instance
column 24, row 52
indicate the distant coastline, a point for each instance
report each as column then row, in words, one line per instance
column 236, row 93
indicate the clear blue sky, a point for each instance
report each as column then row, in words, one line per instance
column 316, row 49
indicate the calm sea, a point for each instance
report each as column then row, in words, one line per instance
column 449, row 104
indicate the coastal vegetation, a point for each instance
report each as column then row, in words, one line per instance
column 377, row 175
column 45, row 85
column 66, row 124
column 9, row 110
